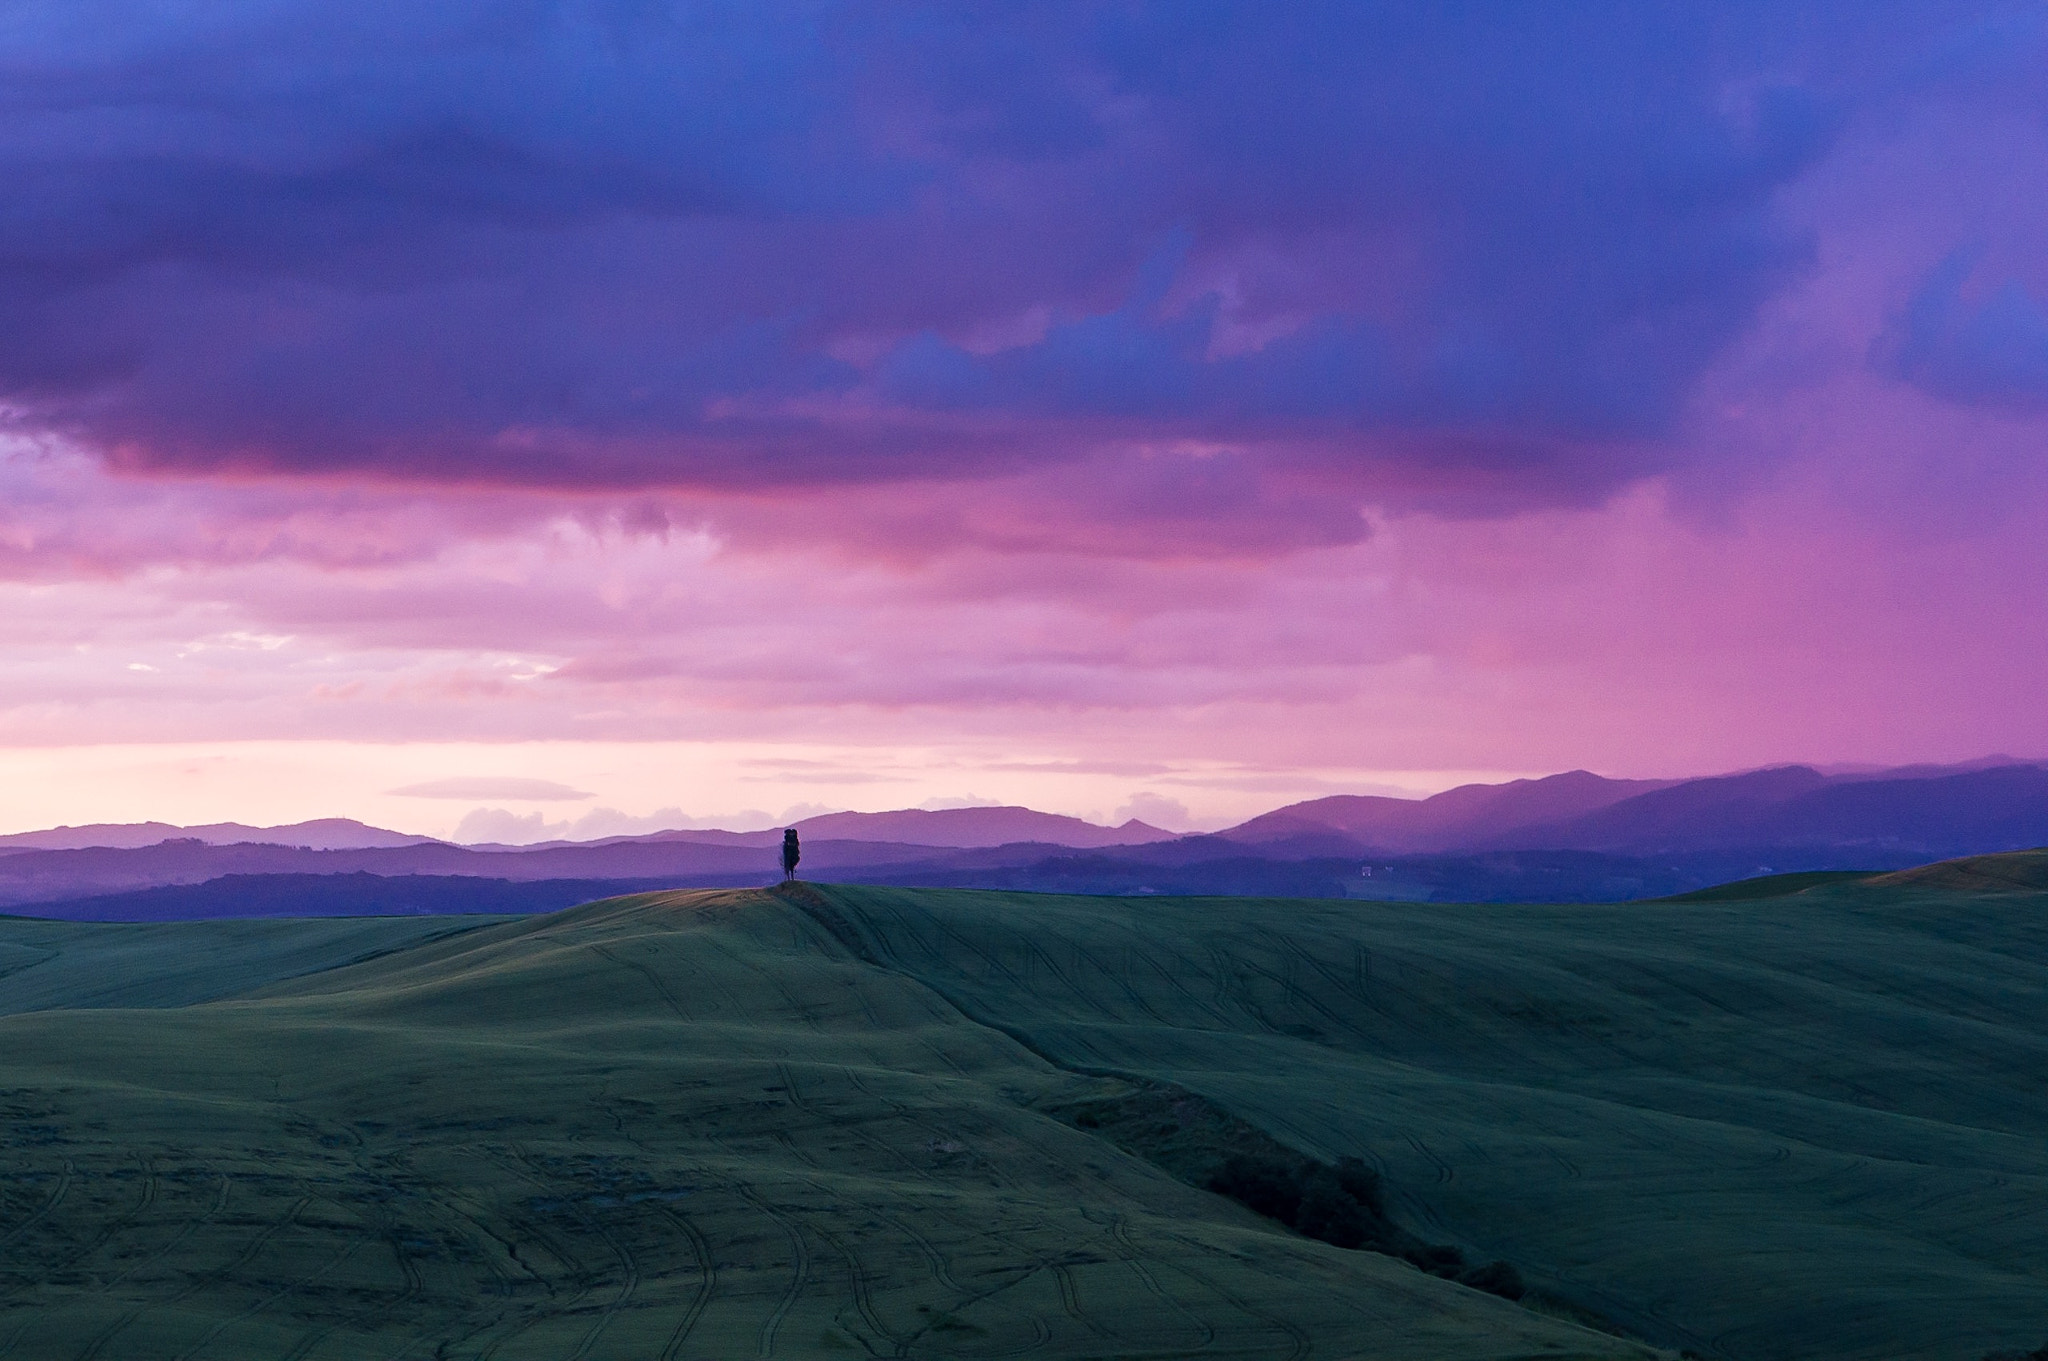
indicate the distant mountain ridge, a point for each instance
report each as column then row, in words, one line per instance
column 1570, row 837
column 320, row 834
column 1937, row 811
column 1451, row 820
column 957, row 828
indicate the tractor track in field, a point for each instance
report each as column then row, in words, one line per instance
column 1445, row 1173
column 1033, row 950
column 799, row 1277
column 466, row 1228
column 47, row 955
column 512, row 1318
column 707, row 1268
column 191, row 1227
column 48, row 1268
column 392, row 1230
column 833, row 921
column 862, row 1285
column 106, row 1335
column 1120, row 1233
column 872, row 945
column 1041, row 1332
column 1299, row 1344
column 1297, row 994
column 991, row 959
column 858, row 1128
column 213, row 1277
column 1173, row 980
column 55, row 1198
column 941, row 1137
column 629, row 1264
column 574, row 1268
column 42, row 1212
column 941, row 1269
column 94, row 1244
column 1120, row 979
column 1070, row 1298
column 647, row 972
column 1353, row 987
column 1223, row 1003
column 281, row 1292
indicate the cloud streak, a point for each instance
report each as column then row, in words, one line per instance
column 511, row 787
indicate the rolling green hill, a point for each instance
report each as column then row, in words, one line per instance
column 669, row 1126
column 46, row 964
column 841, row 1122
column 1809, row 1126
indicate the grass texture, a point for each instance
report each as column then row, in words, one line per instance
column 691, row 1125
column 1807, row 1122
column 1812, row 1126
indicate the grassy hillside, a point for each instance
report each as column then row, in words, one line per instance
column 1809, row 1126
column 49, row 964
column 1801, row 1120
column 672, row 1126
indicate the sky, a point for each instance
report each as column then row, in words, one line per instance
column 538, row 417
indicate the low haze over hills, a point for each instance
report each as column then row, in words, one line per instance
column 965, row 827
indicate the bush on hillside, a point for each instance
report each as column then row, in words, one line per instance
column 1362, row 1184
column 1440, row 1258
column 1345, row 1207
column 1496, row 1278
column 1343, row 1204
column 1264, row 1186
column 1329, row 1212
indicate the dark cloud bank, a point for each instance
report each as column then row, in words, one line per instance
column 771, row 244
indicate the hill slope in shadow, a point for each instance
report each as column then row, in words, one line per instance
column 1761, row 1129
column 668, row 1126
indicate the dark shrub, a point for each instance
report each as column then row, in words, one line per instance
column 1329, row 1212
column 1362, row 1184
column 1440, row 1258
column 1344, row 1206
column 1264, row 1186
column 2038, row 1354
column 1495, row 1278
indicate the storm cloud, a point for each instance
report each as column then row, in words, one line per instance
column 613, row 243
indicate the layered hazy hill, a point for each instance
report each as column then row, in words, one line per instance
column 1575, row 836
column 959, row 828
column 321, row 834
column 1996, row 807
column 1461, row 817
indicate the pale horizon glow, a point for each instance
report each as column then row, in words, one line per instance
column 734, row 786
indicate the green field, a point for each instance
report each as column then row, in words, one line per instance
column 836, row 1123
column 682, row 1125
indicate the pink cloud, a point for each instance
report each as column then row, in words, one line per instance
column 1106, row 432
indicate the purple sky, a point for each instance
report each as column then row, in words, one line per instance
column 738, row 406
